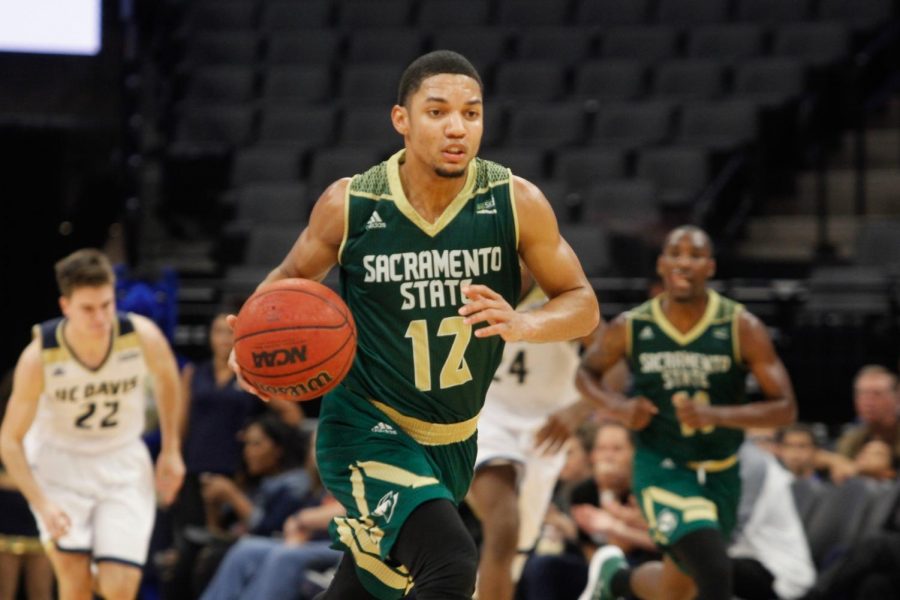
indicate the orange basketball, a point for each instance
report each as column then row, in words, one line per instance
column 294, row 339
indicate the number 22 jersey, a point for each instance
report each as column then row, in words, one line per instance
column 85, row 410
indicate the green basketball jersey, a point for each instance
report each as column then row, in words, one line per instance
column 703, row 364
column 402, row 277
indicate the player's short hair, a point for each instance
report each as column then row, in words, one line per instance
column 438, row 62
column 689, row 230
column 801, row 428
column 87, row 267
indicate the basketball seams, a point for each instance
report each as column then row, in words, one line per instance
column 290, row 328
column 329, row 301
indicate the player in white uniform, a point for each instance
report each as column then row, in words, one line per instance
column 532, row 408
column 71, row 435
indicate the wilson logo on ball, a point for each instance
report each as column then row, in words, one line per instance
column 314, row 384
column 280, row 357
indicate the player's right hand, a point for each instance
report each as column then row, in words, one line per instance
column 236, row 368
column 638, row 412
column 55, row 520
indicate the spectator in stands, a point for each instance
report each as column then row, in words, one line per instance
column 602, row 512
column 876, row 402
column 875, row 460
column 797, row 449
column 291, row 568
column 769, row 550
column 275, row 485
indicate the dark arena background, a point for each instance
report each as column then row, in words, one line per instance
column 192, row 139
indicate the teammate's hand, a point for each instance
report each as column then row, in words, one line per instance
column 236, row 368
column 169, row 475
column 55, row 520
column 560, row 426
column 487, row 306
column 691, row 414
column 638, row 412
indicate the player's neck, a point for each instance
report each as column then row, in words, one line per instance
column 427, row 192
column 684, row 315
column 90, row 350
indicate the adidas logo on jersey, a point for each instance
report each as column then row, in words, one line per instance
column 58, row 372
column 487, row 207
column 382, row 427
column 375, row 222
column 646, row 334
column 667, row 463
column 720, row 333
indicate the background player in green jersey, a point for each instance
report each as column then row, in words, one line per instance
column 689, row 350
column 428, row 244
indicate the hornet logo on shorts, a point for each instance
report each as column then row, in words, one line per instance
column 386, row 506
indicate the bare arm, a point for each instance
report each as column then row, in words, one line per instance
column 28, row 384
column 608, row 351
column 167, row 387
column 572, row 311
column 316, row 250
column 779, row 407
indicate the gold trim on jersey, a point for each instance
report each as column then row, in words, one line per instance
column 714, row 466
column 346, row 222
column 404, row 206
column 19, row 545
column 355, row 535
column 629, row 336
column 736, row 334
column 512, row 201
column 114, row 334
column 693, row 508
column 393, row 474
column 430, row 434
column 683, row 339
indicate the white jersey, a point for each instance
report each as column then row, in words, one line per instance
column 90, row 411
column 533, row 380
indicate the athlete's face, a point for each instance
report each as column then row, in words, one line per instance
column 221, row 337
column 90, row 311
column 798, row 452
column 612, row 456
column 261, row 454
column 875, row 399
column 685, row 265
column 442, row 124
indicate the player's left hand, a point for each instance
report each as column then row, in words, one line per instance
column 693, row 414
column 487, row 306
column 169, row 475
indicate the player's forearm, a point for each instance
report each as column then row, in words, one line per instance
column 169, row 402
column 590, row 384
column 571, row 315
column 779, row 412
column 13, row 455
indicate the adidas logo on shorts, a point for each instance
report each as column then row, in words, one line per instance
column 375, row 222
column 382, row 427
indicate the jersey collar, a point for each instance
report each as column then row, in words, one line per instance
column 403, row 205
column 683, row 339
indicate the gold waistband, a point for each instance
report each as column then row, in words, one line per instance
column 19, row 545
column 714, row 466
column 430, row 434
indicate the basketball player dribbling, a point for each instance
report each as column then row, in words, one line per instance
column 79, row 394
column 428, row 244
